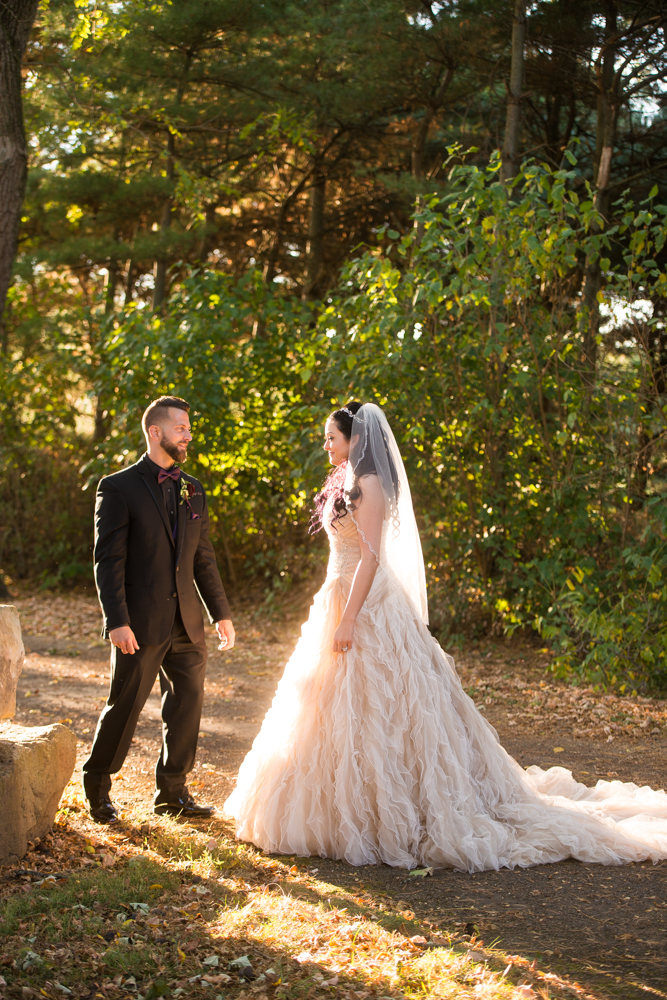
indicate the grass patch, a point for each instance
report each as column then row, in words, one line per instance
column 178, row 912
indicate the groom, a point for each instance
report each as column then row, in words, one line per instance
column 153, row 563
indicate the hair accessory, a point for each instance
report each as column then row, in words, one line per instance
column 344, row 409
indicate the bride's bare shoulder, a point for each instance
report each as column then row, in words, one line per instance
column 370, row 481
column 370, row 489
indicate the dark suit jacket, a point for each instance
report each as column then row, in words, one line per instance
column 142, row 575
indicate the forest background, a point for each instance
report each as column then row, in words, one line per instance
column 454, row 209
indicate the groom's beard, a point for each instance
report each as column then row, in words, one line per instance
column 178, row 454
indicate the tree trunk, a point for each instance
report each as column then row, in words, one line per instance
column 315, row 248
column 607, row 118
column 129, row 282
column 111, row 284
column 607, row 106
column 510, row 151
column 16, row 20
column 209, row 234
column 160, row 289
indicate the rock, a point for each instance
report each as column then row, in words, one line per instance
column 35, row 765
column 11, row 659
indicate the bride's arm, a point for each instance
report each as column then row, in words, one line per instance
column 368, row 518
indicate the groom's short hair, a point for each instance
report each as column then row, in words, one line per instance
column 158, row 411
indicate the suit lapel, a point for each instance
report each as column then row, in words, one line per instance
column 155, row 493
column 182, row 515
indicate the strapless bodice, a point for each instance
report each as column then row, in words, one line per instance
column 344, row 543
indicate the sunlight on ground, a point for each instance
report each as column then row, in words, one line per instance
column 164, row 908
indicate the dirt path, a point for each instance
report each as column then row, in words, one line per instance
column 606, row 928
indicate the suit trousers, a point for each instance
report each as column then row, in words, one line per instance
column 181, row 664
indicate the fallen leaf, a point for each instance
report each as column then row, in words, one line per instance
column 419, row 939
column 157, row 989
column 211, row 960
column 108, row 861
column 243, row 962
column 420, row 872
column 141, row 907
column 199, row 890
column 557, row 750
column 212, row 844
column 525, row 991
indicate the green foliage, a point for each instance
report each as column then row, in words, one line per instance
column 527, row 461
column 255, row 412
column 250, row 148
column 610, row 622
column 532, row 470
column 45, row 519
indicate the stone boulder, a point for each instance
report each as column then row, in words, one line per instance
column 35, row 765
column 11, row 659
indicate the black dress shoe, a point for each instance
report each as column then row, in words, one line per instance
column 103, row 810
column 183, row 806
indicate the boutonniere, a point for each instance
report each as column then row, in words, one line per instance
column 187, row 491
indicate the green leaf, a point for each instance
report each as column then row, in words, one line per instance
column 421, row 872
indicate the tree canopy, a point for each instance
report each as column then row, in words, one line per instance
column 274, row 207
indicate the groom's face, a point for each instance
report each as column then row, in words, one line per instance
column 175, row 434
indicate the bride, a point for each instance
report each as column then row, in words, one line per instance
column 371, row 751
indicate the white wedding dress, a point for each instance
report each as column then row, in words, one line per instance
column 378, row 755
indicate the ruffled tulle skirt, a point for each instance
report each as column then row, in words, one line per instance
column 378, row 755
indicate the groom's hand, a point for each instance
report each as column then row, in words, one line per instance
column 123, row 638
column 227, row 634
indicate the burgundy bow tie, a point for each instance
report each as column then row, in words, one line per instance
column 174, row 474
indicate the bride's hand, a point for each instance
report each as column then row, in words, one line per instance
column 343, row 637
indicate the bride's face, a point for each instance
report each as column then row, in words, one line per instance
column 336, row 444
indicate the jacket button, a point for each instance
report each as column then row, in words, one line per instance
column 174, row 594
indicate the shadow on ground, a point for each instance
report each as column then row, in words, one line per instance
column 603, row 928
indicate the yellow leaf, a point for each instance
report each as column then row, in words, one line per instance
column 559, row 749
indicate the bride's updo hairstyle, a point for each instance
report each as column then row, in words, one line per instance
column 334, row 484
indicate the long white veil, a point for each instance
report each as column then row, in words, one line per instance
column 373, row 448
